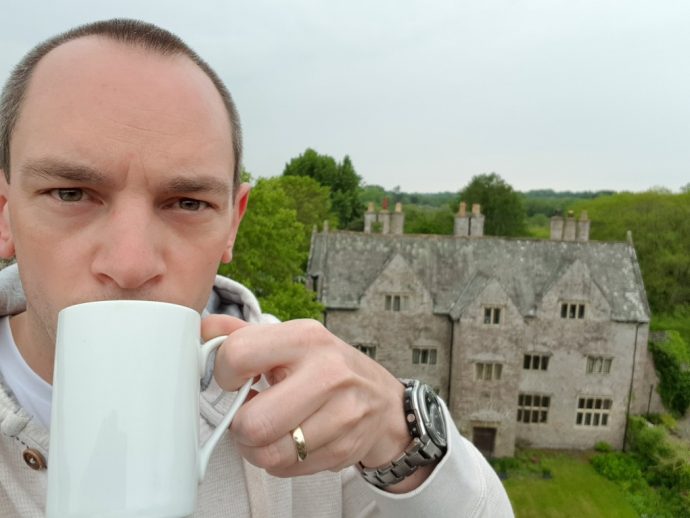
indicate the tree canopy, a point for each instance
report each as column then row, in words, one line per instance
column 271, row 250
column 660, row 225
column 500, row 204
column 376, row 193
column 341, row 178
column 428, row 220
column 310, row 200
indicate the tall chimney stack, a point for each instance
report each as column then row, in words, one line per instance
column 477, row 221
column 583, row 227
column 398, row 220
column 369, row 218
column 556, row 227
column 385, row 217
column 570, row 229
column 462, row 221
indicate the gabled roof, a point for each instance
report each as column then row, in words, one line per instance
column 470, row 292
column 396, row 257
column 456, row 269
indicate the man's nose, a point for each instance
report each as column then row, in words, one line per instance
column 130, row 254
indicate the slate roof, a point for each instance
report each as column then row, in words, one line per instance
column 455, row 269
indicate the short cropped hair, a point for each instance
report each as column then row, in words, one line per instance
column 131, row 32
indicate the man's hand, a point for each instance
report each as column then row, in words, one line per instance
column 349, row 407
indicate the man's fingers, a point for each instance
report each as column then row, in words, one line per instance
column 223, row 372
column 260, row 348
column 218, row 325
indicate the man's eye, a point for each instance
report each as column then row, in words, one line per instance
column 192, row 205
column 68, row 195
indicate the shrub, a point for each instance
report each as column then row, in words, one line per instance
column 669, row 422
column 665, row 466
column 505, row 464
column 617, row 466
column 648, row 441
column 674, row 474
column 627, row 471
column 603, row 447
column 672, row 362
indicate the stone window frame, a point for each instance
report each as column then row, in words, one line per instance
column 396, row 302
column 598, row 364
column 533, row 408
column 573, row 309
column 493, row 314
column 488, row 371
column 538, row 361
column 424, row 355
column 368, row 349
column 593, row 411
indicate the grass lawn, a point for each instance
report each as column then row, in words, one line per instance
column 575, row 490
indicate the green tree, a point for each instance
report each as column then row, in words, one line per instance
column 500, row 204
column 341, row 178
column 269, row 253
column 310, row 200
column 374, row 193
column 660, row 225
column 428, row 220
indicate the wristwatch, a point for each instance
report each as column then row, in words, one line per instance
column 426, row 424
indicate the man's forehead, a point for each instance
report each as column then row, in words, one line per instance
column 106, row 62
column 95, row 84
column 85, row 51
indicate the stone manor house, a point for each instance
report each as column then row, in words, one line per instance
column 534, row 342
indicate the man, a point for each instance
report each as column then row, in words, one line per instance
column 120, row 154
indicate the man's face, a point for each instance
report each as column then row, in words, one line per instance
column 121, row 181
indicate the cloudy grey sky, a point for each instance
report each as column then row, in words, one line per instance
column 589, row 94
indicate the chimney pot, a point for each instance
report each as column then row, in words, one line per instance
column 476, row 209
column 462, row 210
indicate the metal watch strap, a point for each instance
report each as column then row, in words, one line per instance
column 416, row 454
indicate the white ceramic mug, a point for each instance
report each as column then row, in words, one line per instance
column 124, row 433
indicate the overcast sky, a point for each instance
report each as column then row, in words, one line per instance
column 578, row 95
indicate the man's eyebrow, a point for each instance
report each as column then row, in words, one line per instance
column 58, row 169
column 194, row 184
column 51, row 169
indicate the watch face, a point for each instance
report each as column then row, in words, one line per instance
column 437, row 430
column 436, row 425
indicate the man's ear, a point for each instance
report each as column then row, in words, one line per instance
column 239, row 207
column 6, row 239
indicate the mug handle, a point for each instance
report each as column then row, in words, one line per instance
column 207, row 449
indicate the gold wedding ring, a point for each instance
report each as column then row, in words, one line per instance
column 301, row 446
